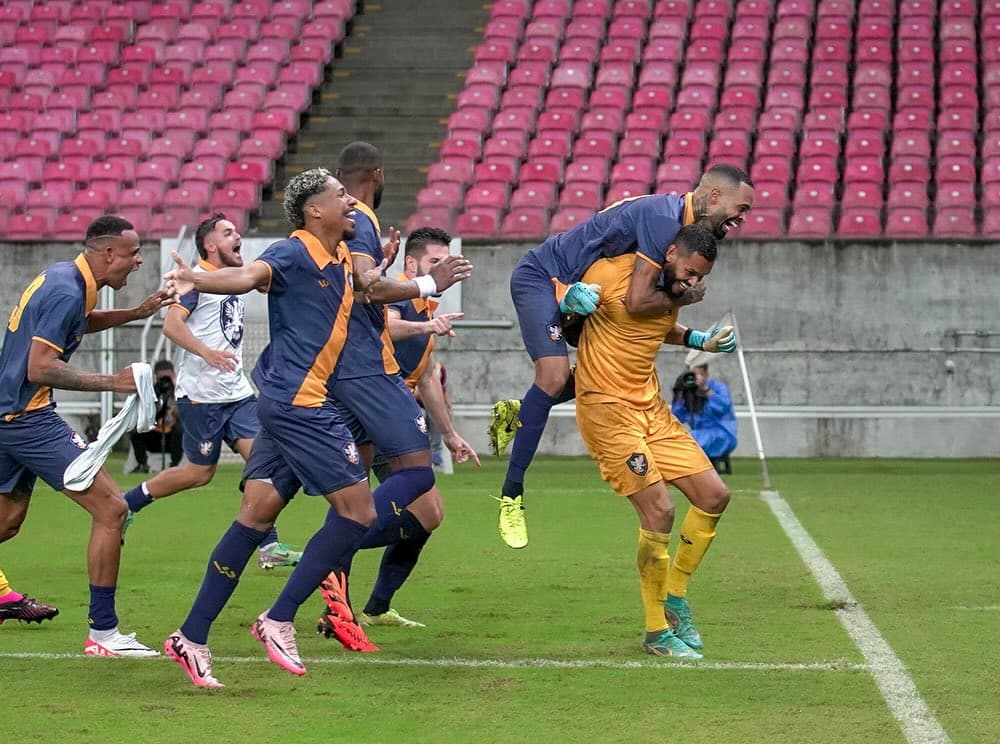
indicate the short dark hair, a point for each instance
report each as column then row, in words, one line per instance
column 163, row 364
column 735, row 176
column 358, row 157
column 108, row 226
column 419, row 239
column 204, row 228
column 698, row 239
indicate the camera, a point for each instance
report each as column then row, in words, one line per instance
column 686, row 389
column 164, row 389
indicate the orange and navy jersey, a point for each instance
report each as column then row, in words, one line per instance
column 616, row 358
column 53, row 309
column 643, row 225
column 309, row 303
column 412, row 354
column 371, row 348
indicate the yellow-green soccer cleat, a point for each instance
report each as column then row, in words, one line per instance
column 666, row 643
column 513, row 528
column 389, row 617
column 503, row 424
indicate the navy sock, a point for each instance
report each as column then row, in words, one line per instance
column 534, row 414
column 223, row 574
column 569, row 392
column 102, row 608
column 398, row 562
column 137, row 498
column 272, row 536
column 332, row 548
column 391, row 499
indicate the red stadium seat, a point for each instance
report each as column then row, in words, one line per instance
column 439, row 217
column 908, row 168
column 526, row 223
column 763, row 223
column 490, row 194
column 908, row 194
column 534, row 195
column 906, row 222
column 478, row 223
column 861, row 196
column 810, row 193
column 27, row 227
column 955, row 222
column 566, row 219
column 991, row 222
column 811, row 222
column 955, row 194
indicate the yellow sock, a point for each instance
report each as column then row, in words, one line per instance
column 4, row 584
column 697, row 533
column 653, row 562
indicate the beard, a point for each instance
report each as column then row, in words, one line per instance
column 667, row 281
column 377, row 197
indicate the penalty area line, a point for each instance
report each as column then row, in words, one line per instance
column 366, row 660
column 900, row 693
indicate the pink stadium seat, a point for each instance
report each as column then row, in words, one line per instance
column 955, row 222
column 572, row 75
column 491, row 194
column 908, row 194
column 906, row 222
column 817, row 169
column 27, row 227
column 447, row 194
column 810, row 193
column 538, row 170
column 587, row 169
column 955, row 168
column 635, row 170
column 534, row 194
column 861, row 195
column 526, row 223
column 168, row 222
column 625, row 190
column 688, row 145
column 991, row 222
column 477, row 223
column 864, row 143
column 810, row 222
column 955, row 194
column 566, row 219
column 763, row 223
column 770, row 195
column 909, row 168
column 440, row 217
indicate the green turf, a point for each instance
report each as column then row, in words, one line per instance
column 913, row 540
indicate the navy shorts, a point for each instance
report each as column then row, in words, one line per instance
column 208, row 425
column 382, row 410
column 36, row 444
column 307, row 447
column 537, row 311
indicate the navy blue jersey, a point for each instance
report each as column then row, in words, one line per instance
column 412, row 353
column 53, row 309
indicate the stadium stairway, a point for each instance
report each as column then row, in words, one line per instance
column 396, row 84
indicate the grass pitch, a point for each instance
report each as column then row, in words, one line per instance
column 542, row 644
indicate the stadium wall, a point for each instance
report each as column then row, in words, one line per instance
column 854, row 349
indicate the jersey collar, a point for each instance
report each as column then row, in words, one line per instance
column 89, row 282
column 688, row 208
column 206, row 266
column 362, row 207
column 317, row 252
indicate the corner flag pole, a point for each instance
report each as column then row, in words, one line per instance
column 750, row 405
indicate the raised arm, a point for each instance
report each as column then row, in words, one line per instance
column 443, row 274
column 232, row 280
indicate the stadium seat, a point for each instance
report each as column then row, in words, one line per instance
column 566, row 219
column 763, row 223
column 526, row 223
column 810, row 222
column 860, row 222
column 955, row 222
column 478, row 223
column 906, row 222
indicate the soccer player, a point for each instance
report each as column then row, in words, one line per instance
column 637, row 442
column 46, row 326
column 413, row 328
column 547, row 283
column 376, row 404
column 302, row 440
column 15, row 606
column 214, row 397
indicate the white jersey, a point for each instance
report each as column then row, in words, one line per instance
column 216, row 321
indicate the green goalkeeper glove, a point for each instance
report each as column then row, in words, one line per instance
column 715, row 339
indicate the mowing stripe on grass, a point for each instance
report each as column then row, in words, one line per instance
column 897, row 687
column 356, row 660
column 978, row 608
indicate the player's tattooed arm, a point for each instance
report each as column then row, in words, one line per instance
column 643, row 298
column 46, row 368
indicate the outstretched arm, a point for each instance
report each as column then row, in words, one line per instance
column 100, row 320
column 443, row 274
column 234, row 280
column 46, row 368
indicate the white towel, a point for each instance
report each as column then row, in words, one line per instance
column 138, row 413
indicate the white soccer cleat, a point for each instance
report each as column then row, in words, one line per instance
column 112, row 643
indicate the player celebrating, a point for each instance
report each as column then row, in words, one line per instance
column 635, row 439
column 547, row 283
column 50, row 319
column 214, row 397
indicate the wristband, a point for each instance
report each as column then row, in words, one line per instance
column 426, row 285
column 695, row 339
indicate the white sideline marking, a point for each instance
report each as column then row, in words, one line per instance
column 910, row 709
column 359, row 659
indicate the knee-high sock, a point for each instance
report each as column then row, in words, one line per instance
column 653, row 562
column 697, row 533
column 4, row 584
column 223, row 574
column 332, row 548
column 534, row 415
column 391, row 498
column 398, row 562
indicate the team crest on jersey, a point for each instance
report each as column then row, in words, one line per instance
column 421, row 423
column 555, row 331
column 205, row 448
column 638, row 464
column 231, row 320
column 351, row 453
column 77, row 441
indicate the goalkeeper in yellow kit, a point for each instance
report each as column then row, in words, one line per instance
column 635, row 439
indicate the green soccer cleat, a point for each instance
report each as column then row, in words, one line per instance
column 678, row 614
column 503, row 424
column 666, row 643
column 278, row 555
column 389, row 617
column 513, row 528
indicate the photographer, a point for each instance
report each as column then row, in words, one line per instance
column 166, row 436
column 706, row 408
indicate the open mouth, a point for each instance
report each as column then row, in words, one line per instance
column 237, row 248
column 731, row 223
